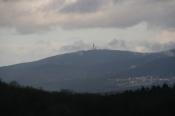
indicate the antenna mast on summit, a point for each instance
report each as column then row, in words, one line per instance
column 93, row 47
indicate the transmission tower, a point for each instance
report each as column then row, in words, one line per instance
column 94, row 47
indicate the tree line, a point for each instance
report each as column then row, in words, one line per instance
column 16, row 100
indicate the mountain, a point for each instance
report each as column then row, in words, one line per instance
column 92, row 71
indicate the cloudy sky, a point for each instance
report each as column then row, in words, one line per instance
column 34, row 29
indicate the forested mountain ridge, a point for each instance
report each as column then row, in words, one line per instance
column 92, row 71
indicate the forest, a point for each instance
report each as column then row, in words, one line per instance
column 16, row 100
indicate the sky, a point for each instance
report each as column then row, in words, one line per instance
column 35, row 29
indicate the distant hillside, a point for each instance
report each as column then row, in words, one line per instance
column 26, row 101
column 91, row 71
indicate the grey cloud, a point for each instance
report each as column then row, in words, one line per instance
column 84, row 6
column 38, row 15
column 140, row 46
column 130, row 13
column 117, row 43
column 159, row 47
column 23, row 16
column 75, row 46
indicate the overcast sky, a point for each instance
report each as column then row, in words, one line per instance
column 35, row 29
